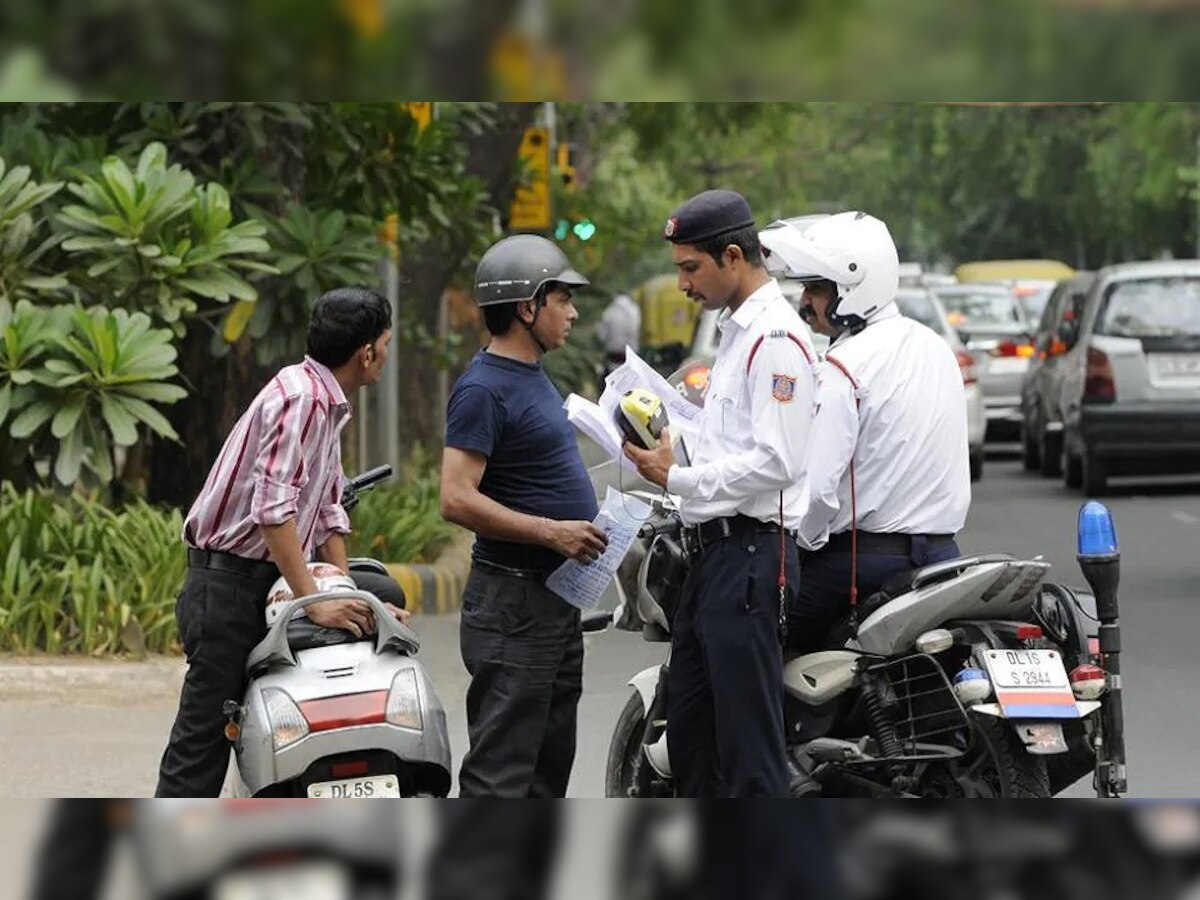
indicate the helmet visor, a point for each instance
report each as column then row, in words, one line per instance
column 791, row 254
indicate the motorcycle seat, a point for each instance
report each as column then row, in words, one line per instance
column 304, row 634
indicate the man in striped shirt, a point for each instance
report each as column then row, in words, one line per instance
column 272, row 499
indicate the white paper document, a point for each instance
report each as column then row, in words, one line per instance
column 583, row 585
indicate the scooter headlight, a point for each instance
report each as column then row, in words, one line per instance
column 404, row 701
column 288, row 724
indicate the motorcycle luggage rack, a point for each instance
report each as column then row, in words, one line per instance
column 922, row 705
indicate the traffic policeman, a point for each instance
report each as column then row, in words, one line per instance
column 740, row 497
column 888, row 475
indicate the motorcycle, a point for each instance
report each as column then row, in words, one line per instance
column 968, row 678
column 328, row 715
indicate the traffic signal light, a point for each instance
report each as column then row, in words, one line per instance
column 562, row 229
column 584, row 229
column 565, row 169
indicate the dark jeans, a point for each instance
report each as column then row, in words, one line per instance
column 221, row 618
column 725, row 683
column 824, row 597
column 523, row 647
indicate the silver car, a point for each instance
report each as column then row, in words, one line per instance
column 1131, row 376
column 993, row 323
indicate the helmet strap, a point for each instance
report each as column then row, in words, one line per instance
column 539, row 300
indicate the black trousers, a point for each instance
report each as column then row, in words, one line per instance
column 221, row 618
column 725, row 683
column 72, row 861
column 523, row 647
column 824, row 597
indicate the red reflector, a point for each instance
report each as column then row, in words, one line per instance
column 1029, row 632
column 1094, row 646
column 345, row 711
column 1087, row 672
column 349, row 769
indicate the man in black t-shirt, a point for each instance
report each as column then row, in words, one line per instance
column 512, row 473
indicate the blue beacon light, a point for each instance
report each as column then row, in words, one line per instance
column 1097, row 533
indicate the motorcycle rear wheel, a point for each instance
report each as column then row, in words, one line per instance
column 999, row 767
column 625, row 748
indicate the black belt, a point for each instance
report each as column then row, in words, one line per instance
column 221, row 561
column 697, row 538
column 879, row 544
column 527, row 574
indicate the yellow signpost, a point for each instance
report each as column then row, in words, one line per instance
column 530, row 209
column 420, row 110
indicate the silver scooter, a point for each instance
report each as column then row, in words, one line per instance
column 331, row 716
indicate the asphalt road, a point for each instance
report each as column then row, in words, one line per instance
column 86, row 736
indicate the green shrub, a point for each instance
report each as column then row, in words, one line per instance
column 401, row 522
column 76, row 577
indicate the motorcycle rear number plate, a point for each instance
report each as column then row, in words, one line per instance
column 314, row 881
column 373, row 787
column 1031, row 684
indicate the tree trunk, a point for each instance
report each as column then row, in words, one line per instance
column 427, row 269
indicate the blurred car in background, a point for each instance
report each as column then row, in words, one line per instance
column 1041, row 389
column 993, row 324
column 1031, row 280
column 1131, row 375
column 917, row 303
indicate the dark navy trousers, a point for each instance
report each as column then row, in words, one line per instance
column 725, row 730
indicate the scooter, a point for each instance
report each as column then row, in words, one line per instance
column 328, row 715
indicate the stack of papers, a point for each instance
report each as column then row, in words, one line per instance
column 598, row 420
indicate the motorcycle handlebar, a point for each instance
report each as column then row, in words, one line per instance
column 672, row 527
column 370, row 477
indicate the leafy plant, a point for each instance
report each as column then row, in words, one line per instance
column 76, row 577
column 402, row 522
column 153, row 240
column 95, row 387
column 20, row 222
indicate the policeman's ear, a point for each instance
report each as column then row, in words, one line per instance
column 734, row 255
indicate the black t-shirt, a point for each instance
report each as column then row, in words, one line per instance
column 511, row 413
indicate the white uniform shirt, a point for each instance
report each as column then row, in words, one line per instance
column 754, row 442
column 908, row 435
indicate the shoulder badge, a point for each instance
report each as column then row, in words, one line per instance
column 783, row 387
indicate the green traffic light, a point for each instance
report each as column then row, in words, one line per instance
column 584, row 230
column 561, row 229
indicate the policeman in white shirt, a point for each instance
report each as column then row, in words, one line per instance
column 741, row 500
column 888, row 473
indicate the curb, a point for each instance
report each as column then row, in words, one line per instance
column 430, row 590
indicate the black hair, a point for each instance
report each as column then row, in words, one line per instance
column 343, row 321
column 499, row 318
column 745, row 238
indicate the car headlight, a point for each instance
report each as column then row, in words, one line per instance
column 288, row 724
column 404, row 701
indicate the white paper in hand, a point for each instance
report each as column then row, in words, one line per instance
column 582, row 585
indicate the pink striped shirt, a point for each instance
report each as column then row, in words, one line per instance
column 283, row 460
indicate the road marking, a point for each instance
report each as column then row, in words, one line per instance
column 1185, row 518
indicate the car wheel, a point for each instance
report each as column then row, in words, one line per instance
column 1050, row 451
column 976, row 463
column 1072, row 468
column 1031, row 452
column 1094, row 475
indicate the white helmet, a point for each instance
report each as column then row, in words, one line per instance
column 328, row 578
column 853, row 250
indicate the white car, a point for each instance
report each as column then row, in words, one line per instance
column 916, row 303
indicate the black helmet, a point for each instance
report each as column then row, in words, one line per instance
column 518, row 267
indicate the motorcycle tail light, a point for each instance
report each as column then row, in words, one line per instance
column 1088, row 682
column 1029, row 632
column 345, row 710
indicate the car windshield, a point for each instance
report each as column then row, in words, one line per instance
column 982, row 308
column 924, row 309
column 1152, row 307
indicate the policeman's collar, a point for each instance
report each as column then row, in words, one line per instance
column 752, row 306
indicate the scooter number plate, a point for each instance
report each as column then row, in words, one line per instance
column 316, row 881
column 373, row 787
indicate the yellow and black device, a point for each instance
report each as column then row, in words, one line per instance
column 641, row 416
